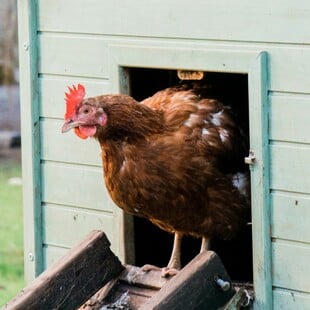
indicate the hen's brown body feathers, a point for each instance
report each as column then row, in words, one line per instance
column 176, row 159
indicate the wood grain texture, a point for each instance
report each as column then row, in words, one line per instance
column 73, row 279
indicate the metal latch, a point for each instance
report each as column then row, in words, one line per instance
column 250, row 160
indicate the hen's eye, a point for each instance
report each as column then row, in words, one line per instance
column 86, row 111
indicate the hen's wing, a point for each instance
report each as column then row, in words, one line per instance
column 212, row 125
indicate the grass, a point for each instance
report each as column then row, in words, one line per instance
column 11, row 231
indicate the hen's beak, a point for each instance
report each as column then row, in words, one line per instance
column 68, row 125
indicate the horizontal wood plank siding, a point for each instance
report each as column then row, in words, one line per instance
column 87, row 56
column 290, row 169
column 74, row 56
column 290, row 268
column 73, row 149
column 61, row 186
column 288, row 299
column 52, row 254
column 289, row 214
column 289, row 118
column 78, row 224
column 211, row 19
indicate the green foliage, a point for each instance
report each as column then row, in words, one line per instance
column 11, row 232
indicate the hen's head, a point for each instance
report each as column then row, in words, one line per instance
column 84, row 115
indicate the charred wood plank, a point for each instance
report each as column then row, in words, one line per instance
column 73, row 279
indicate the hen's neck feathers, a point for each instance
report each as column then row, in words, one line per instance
column 128, row 119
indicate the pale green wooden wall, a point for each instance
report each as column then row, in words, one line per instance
column 65, row 42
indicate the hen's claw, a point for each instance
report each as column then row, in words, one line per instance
column 165, row 271
column 168, row 272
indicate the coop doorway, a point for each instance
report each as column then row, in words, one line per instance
column 152, row 245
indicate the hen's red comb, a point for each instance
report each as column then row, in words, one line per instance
column 75, row 96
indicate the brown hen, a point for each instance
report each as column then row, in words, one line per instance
column 175, row 158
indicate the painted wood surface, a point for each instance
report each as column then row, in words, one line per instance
column 290, row 268
column 290, row 169
column 77, row 223
column 73, row 149
column 289, row 118
column 201, row 20
column 287, row 299
column 290, row 214
column 30, row 132
column 67, row 56
column 73, row 185
column 93, row 61
column 52, row 254
column 258, row 120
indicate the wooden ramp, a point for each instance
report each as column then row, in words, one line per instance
column 90, row 276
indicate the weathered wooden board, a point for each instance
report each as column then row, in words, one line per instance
column 52, row 89
column 286, row 299
column 289, row 214
column 73, row 279
column 290, row 265
column 130, row 290
column 289, row 118
column 65, row 226
column 204, row 20
column 194, row 286
column 290, row 167
column 73, row 185
column 73, row 149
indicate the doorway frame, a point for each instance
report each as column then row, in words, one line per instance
column 250, row 62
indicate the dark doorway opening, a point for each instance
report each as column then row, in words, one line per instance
column 152, row 245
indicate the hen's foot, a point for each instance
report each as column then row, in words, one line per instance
column 168, row 272
column 165, row 271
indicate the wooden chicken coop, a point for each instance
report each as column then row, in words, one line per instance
column 255, row 52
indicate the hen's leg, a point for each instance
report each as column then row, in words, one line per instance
column 174, row 264
column 205, row 244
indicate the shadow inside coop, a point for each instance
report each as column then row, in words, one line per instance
column 152, row 245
